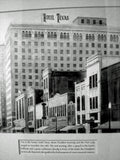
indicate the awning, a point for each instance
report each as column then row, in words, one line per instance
column 41, row 128
column 52, row 129
column 18, row 128
column 73, row 127
column 7, row 128
column 113, row 125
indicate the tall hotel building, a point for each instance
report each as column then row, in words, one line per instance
column 32, row 47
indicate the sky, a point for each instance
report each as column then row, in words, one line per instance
column 112, row 14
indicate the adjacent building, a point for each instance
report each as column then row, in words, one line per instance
column 94, row 94
column 2, row 89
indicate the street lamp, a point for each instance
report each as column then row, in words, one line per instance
column 109, row 107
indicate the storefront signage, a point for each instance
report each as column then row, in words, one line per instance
column 55, row 18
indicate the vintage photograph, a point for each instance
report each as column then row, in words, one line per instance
column 59, row 66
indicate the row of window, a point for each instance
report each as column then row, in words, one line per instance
column 20, row 109
column 49, row 65
column 55, row 44
column 49, row 58
column 94, row 103
column 30, row 101
column 66, row 35
column 81, row 102
column 57, row 111
column 93, row 81
column 79, row 119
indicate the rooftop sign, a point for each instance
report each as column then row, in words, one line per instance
column 55, row 18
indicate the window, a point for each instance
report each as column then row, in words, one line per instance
column 83, row 118
column 62, row 65
column 55, row 51
column 23, row 70
column 105, row 52
column 23, row 50
column 29, row 64
column 30, row 76
column 36, row 43
column 80, row 58
column 78, row 119
column 30, row 70
column 80, row 65
column 61, row 44
column 74, row 58
column 48, row 43
column 55, row 44
column 49, row 58
column 68, row 44
column 82, row 20
column 74, row 44
column 83, row 102
column 55, row 64
column 43, row 58
column 78, row 103
column 80, row 51
column 36, row 70
column 29, row 43
column 36, row 50
column 94, row 21
column 61, row 58
column 23, row 64
column 42, row 64
column 36, row 84
column 36, row 76
column 30, row 83
column 15, row 42
column 29, row 57
column 93, row 44
column 15, row 50
column 42, row 43
column 16, row 57
column 74, row 65
column 16, row 70
column 87, row 52
column 23, row 56
column 117, row 45
column 16, row 83
column 80, row 44
column 16, row 76
column 61, row 51
column 42, row 50
column 99, row 45
column 24, row 84
column 68, row 58
column 93, row 51
column 16, row 34
column 29, row 50
column 93, row 81
column 55, row 58
column 23, row 43
column 49, row 51
column 111, row 45
column 36, row 64
column 94, row 102
column 74, row 51
column 16, row 64
column 23, row 76
column 105, row 45
column 68, row 51
column 87, row 44
column 117, row 52
column 68, row 65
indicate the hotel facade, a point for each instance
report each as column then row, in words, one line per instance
column 30, row 48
